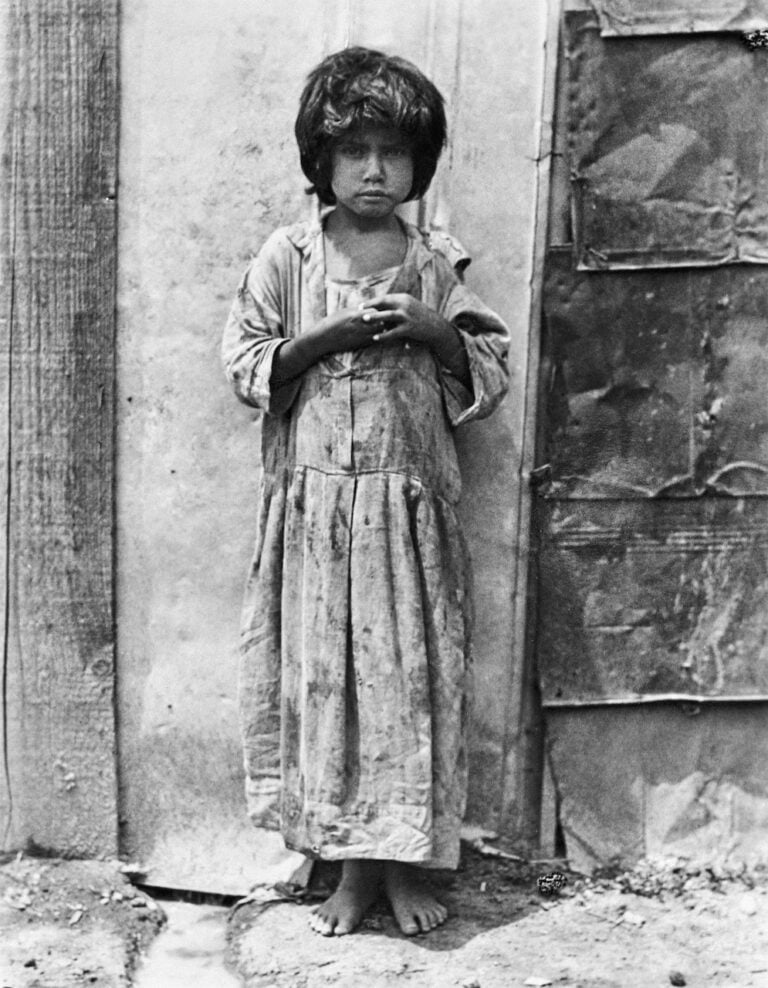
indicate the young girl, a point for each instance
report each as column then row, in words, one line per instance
column 357, row 338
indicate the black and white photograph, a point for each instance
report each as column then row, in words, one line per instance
column 384, row 451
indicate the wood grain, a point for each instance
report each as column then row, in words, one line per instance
column 58, row 302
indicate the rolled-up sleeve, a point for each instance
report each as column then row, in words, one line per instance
column 486, row 341
column 253, row 333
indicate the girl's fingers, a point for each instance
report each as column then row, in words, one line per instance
column 390, row 316
column 384, row 303
column 390, row 334
column 369, row 314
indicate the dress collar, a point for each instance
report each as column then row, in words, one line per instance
column 306, row 237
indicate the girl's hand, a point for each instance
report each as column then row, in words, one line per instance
column 347, row 329
column 403, row 317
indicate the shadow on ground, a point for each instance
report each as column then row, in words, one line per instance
column 484, row 894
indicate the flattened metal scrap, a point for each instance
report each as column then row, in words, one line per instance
column 636, row 782
column 655, row 382
column 666, row 147
column 643, row 598
column 621, row 18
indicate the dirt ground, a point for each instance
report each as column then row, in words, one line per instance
column 664, row 923
column 71, row 923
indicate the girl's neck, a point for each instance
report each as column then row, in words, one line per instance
column 345, row 222
column 358, row 246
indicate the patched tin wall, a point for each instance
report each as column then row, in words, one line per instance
column 652, row 489
column 679, row 182
column 662, row 780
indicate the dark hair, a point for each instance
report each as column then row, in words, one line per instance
column 360, row 87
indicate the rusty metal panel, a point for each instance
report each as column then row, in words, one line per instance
column 666, row 149
column 650, row 599
column 621, row 18
column 671, row 779
column 655, row 383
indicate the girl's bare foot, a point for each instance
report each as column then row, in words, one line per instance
column 358, row 889
column 416, row 909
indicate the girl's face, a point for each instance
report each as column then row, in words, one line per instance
column 372, row 171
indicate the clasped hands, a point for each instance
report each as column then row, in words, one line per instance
column 387, row 319
column 400, row 316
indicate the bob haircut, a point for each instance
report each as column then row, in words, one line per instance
column 360, row 87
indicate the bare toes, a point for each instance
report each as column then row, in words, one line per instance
column 320, row 924
column 416, row 909
column 433, row 918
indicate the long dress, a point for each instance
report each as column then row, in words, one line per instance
column 355, row 663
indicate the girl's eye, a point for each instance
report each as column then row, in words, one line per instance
column 352, row 150
column 400, row 151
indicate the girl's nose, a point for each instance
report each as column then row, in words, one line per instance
column 374, row 165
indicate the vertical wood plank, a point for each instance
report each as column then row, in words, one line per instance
column 522, row 785
column 59, row 191
column 5, row 305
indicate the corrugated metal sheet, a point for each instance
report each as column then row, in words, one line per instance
column 652, row 599
column 652, row 508
column 666, row 145
column 653, row 532
column 665, row 780
column 619, row 18
column 655, row 383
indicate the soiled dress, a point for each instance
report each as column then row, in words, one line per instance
column 355, row 650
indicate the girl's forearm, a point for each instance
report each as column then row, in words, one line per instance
column 449, row 349
column 295, row 357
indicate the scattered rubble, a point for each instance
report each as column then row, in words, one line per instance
column 675, row 876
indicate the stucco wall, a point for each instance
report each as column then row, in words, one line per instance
column 208, row 168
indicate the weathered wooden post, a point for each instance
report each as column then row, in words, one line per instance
column 57, row 779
